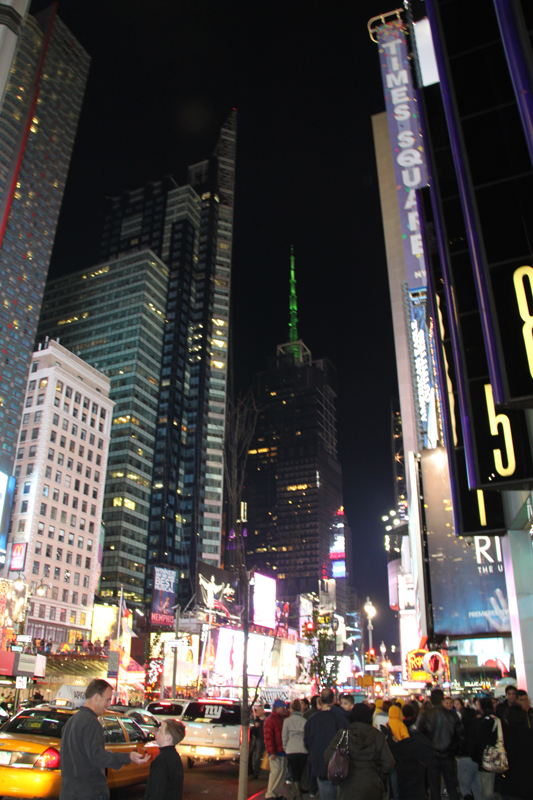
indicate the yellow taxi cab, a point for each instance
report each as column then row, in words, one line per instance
column 30, row 751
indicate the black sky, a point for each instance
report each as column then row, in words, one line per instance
column 305, row 80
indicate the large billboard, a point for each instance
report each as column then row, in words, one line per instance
column 468, row 588
column 406, row 142
column 264, row 601
column 217, row 591
column 7, row 491
column 163, row 597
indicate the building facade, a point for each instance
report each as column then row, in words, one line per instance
column 461, row 316
column 190, row 228
column 113, row 316
column 60, row 467
column 38, row 122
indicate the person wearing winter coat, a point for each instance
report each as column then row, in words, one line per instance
column 412, row 755
column 381, row 714
column 272, row 731
column 369, row 757
column 484, row 735
column 318, row 733
column 446, row 733
column 518, row 742
column 396, row 725
column 293, row 744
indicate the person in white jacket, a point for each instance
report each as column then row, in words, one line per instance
column 293, row 744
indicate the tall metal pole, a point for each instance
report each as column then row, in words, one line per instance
column 370, row 629
column 175, row 664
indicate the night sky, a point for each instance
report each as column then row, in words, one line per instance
column 305, row 80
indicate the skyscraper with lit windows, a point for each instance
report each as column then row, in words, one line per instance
column 296, row 529
column 188, row 230
column 60, row 468
column 38, row 122
column 113, row 316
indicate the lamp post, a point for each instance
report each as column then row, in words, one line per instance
column 370, row 612
column 383, row 650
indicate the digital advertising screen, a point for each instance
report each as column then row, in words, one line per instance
column 264, row 601
column 7, row 491
column 163, row 597
column 468, row 587
column 217, row 590
column 259, row 651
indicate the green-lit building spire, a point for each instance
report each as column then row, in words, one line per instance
column 294, row 347
column 293, row 303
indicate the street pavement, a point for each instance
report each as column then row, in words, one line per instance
column 213, row 781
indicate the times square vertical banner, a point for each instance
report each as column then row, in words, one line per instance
column 163, row 597
column 406, row 141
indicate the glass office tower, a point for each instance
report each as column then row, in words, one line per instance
column 189, row 229
column 113, row 317
column 38, row 122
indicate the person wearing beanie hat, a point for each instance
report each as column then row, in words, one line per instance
column 277, row 757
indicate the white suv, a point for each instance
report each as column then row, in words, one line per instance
column 213, row 731
column 166, row 709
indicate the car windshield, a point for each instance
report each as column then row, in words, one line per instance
column 218, row 713
column 166, row 709
column 38, row 722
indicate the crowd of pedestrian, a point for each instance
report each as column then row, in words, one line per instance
column 423, row 749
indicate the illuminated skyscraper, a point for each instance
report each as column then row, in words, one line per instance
column 38, row 123
column 189, row 229
column 293, row 482
column 123, row 337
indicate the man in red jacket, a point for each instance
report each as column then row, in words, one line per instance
column 274, row 747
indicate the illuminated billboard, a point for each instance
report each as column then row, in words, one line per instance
column 337, row 549
column 18, row 556
column 259, row 652
column 264, row 601
column 230, row 650
column 163, row 597
column 105, row 622
column 338, row 569
column 217, row 590
column 406, row 142
column 7, row 491
column 468, row 588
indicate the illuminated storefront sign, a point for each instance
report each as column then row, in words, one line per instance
column 406, row 141
column 18, row 556
column 415, row 666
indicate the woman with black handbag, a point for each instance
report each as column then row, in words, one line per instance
column 369, row 757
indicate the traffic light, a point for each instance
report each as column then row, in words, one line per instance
column 370, row 656
column 308, row 629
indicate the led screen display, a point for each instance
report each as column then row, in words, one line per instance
column 7, row 490
column 264, row 601
column 468, row 588
column 164, row 597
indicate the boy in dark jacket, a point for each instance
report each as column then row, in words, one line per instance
column 165, row 781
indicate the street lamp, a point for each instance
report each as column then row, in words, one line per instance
column 370, row 612
column 19, row 582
